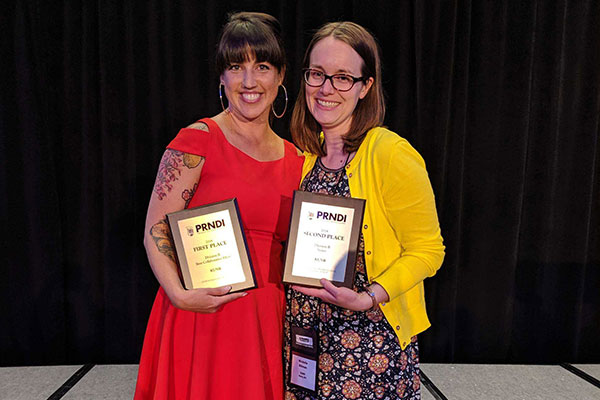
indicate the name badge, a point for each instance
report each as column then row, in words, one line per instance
column 303, row 372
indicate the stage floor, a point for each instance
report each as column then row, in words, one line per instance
column 440, row 381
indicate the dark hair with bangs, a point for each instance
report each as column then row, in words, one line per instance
column 249, row 34
column 369, row 111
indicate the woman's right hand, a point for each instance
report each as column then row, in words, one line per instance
column 204, row 300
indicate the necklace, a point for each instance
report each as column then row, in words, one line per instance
column 343, row 161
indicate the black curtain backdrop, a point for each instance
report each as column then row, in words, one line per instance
column 500, row 97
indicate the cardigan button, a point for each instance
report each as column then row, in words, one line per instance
column 369, row 252
column 366, row 226
column 404, row 344
column 350, row 175
column 397, row 327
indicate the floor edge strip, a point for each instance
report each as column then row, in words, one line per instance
column 435, row 392
column 583, row 375
column 72, row 381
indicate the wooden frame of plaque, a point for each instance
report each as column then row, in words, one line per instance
column 316, row 211
column 211, row 248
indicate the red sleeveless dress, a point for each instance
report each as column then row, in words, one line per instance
column 235, row 353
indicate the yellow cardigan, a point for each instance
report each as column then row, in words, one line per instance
column 403, row 243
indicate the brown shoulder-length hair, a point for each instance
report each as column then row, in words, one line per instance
column 249, row 34
column 369, row 111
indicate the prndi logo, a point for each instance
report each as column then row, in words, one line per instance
column 331, row 216
column 210, row 225
column 311, row 215
column 190, row 230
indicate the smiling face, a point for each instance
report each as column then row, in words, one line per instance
column 331, row 108
column 251, row 88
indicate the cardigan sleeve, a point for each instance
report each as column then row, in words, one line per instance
column 410, row 208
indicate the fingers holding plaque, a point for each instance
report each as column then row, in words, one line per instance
column 323, row 239
column 211, row 247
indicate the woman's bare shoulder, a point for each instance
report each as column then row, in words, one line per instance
column 201, row 126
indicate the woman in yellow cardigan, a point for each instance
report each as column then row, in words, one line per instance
column 367, row 346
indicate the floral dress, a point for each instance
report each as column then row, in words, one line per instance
column 359, row 353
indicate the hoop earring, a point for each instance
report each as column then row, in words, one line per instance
column 221, row 96
column 286, row 104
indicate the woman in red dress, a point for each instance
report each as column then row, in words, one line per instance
column 209, row 343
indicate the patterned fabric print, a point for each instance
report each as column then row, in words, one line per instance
column 359, row 353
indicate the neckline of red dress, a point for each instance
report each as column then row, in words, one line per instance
column 212, row 124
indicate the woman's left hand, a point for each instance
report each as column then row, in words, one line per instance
column 340, row 296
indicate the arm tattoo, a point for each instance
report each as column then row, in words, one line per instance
column 169, row 170
column 188, row 194
column 191, row 160
column 161, row 234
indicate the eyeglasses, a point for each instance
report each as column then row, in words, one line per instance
column 340, row 82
